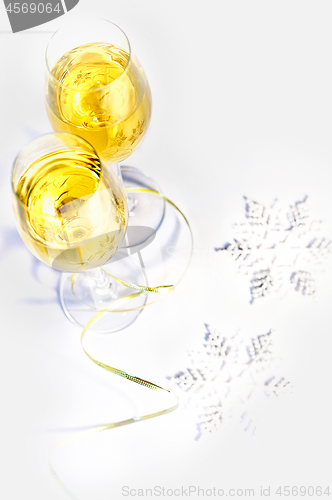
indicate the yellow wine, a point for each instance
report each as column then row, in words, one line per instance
column 97, row 91
column 70, row 215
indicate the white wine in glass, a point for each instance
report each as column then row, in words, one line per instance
column 72, row 217
column 100, row 92
column 96, row 88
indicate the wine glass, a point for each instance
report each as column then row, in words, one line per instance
column 97, row 89
column 73, row 217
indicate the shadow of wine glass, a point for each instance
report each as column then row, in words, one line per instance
column 40, row 272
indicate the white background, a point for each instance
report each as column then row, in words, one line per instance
column 242, row 94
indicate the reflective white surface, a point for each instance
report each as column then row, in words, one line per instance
column 242, row 105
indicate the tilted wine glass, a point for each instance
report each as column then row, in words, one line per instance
column 97, row 89
column 73, row 217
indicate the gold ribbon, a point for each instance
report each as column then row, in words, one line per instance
column 139, row 290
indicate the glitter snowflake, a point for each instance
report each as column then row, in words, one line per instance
column 225, row 374
column 279, row 248
column 277, row 386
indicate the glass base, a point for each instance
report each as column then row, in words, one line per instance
column 82, row 301
column 145, row 211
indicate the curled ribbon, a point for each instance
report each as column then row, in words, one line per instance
column 139, row 290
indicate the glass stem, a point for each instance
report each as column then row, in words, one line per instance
column 131, row 198
column 102, row 284
column 117, row 170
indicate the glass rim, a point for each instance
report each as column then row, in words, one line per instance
column 49, row 71
column 50, row 134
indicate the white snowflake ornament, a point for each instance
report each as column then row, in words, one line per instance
column 224, row 375
column 279, row 248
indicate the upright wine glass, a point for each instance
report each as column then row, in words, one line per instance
column 73, row 217
column 97, row 89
